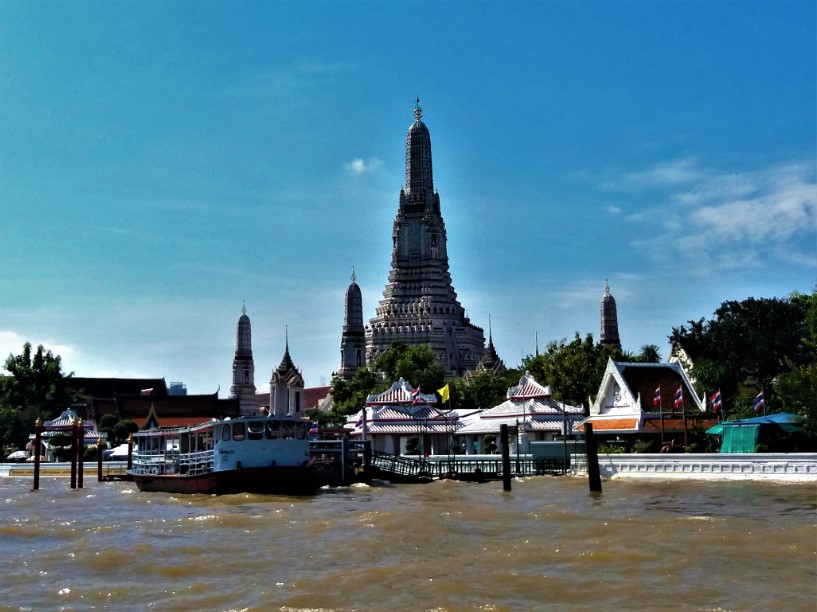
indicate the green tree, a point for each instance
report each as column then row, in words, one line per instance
column 755, row 339
column 483, row 390
column 572, row 369
column 349, row 396
column 123, row 429
column 416, row 365
column 15, row 426
column 797, row 389
column 649, row 354
column 35, row 389
column 36, row 382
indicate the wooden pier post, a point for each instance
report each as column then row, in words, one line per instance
column 130, row 452
column 38, row 439
column 73, row 454
column 100, row 451
column 344, row 461
column 593, row 474
column 80, row 454
column 506, row 458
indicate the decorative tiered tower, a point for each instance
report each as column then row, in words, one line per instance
column 243, row 386
column 490, row 361
column 419, row 305
column 353, row 340
column 286, row 388
column 609, row 319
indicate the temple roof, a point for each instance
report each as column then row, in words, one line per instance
column 528, row 388
column 401, row 393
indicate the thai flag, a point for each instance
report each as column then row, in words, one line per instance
column 716, row 401
column 656, row 399
column 679, row 397
column 313, row 428
column 415, row 396
column 760, row 401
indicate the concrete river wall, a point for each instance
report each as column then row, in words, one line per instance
column 795, row 467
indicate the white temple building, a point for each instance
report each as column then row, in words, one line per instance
column 404, row 421
column 530, row 410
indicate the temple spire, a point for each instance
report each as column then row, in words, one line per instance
column 243, row 386
column 609, row 318
column 353, row 337
column 419, row 305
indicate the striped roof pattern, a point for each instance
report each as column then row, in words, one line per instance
column 528, row 388
column 493, row 425
column 399, row 394
column 412, row 417
column 529, row 407
column 411, row 428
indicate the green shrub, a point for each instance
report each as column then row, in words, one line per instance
column 610, row 449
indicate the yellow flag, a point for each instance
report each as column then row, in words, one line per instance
column 444, row 396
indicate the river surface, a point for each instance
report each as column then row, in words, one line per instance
column 547, row 545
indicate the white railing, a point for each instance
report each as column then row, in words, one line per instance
column 172, row 462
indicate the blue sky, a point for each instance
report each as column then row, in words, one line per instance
column 163, row 162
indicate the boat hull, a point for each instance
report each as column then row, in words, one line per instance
column 273, row 479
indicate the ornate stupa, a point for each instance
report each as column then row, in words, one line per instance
column 419, row 304
column 609, row 319
column 353, row 340
column 243, row 386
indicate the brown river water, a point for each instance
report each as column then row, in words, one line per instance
column 546, row 545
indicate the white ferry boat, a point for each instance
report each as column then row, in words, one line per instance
column 264, row 454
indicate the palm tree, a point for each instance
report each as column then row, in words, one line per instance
column 649, row 354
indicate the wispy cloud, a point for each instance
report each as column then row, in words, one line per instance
column 361, row 166
column 660, row 175
column 726, row 220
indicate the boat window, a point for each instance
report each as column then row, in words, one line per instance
column 238, row 431
column 255, row 430
column 272, row 429
column 225, row 433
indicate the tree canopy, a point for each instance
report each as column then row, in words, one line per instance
column 572, row 369
column 36, row 388
column 756, row 344
column 415, row 364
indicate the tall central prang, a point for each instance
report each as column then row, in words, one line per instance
column 419, row 305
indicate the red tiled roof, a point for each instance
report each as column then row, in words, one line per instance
column 313, row 396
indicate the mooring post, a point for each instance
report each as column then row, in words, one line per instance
column 100, row 451
column 506, row 458
column 74, row 454
column 593, row 474
column 344, row 456
column 130, row 452
column 80, row 454
column 38, row 436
